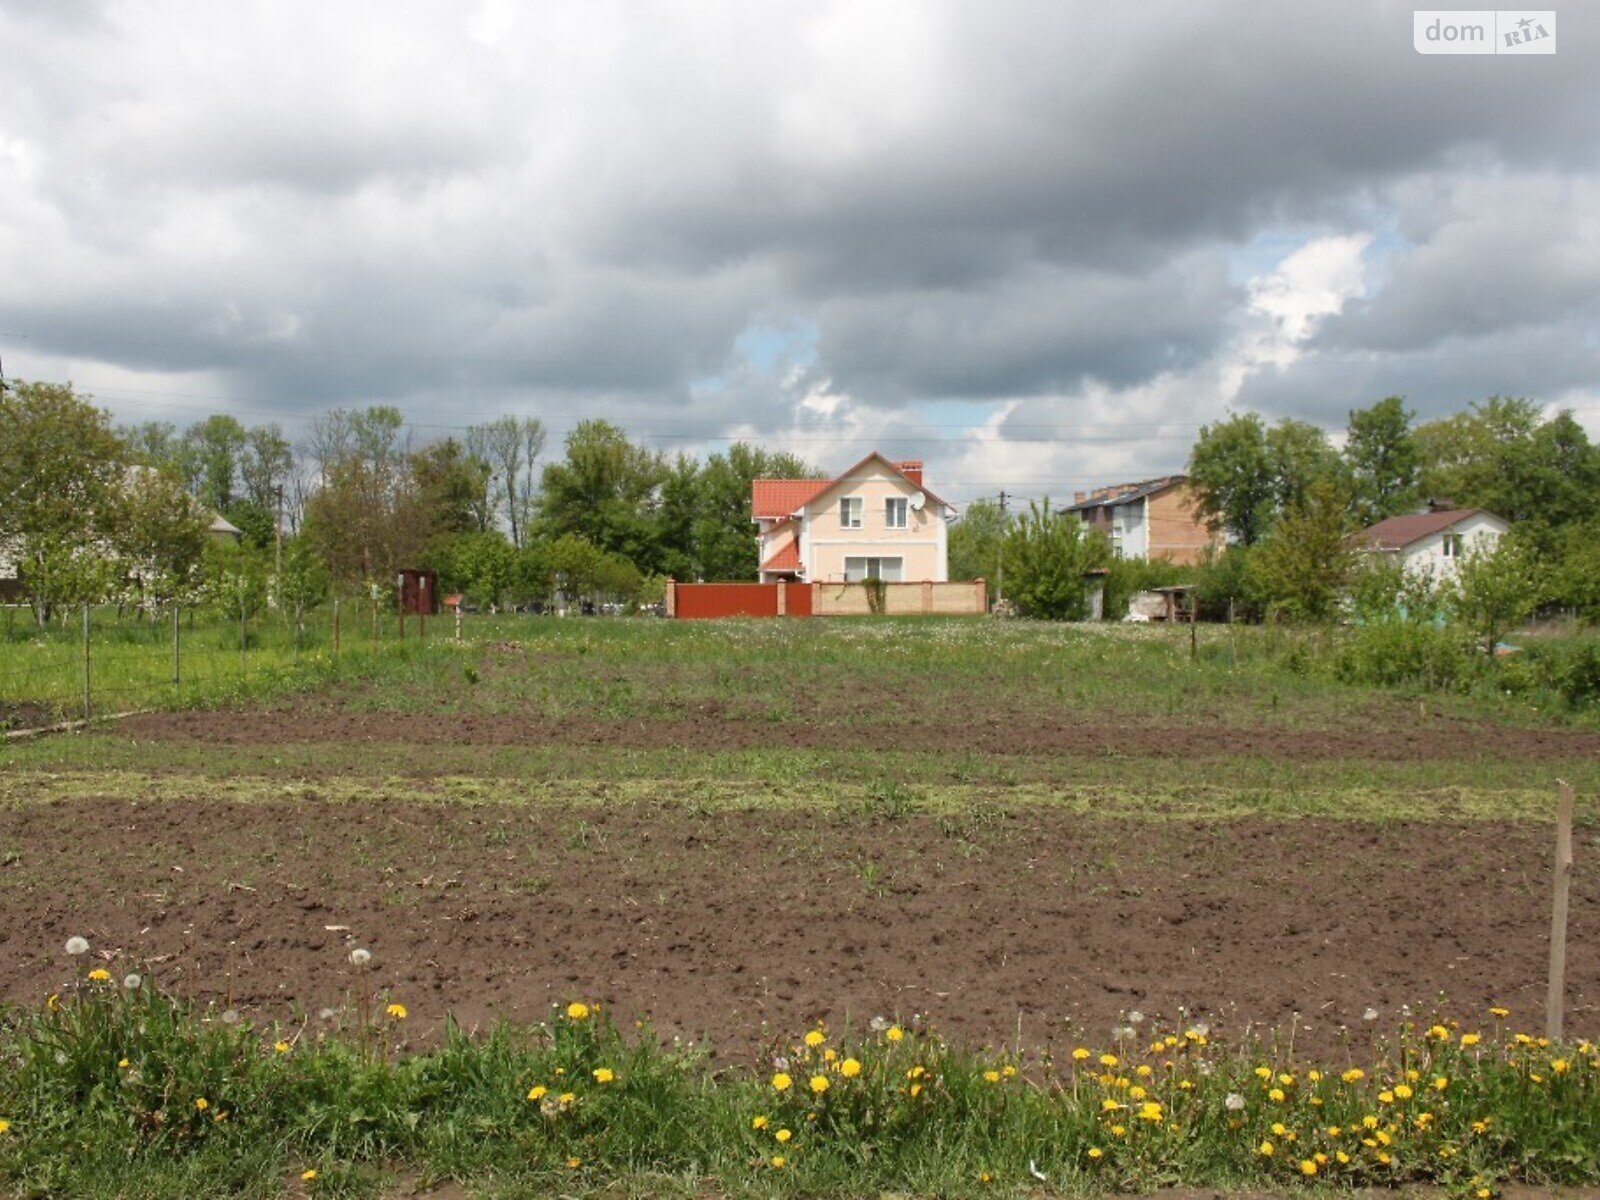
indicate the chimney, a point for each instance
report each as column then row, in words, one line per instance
column 1079, row 497
column 912, row 470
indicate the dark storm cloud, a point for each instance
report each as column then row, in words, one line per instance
column 470, row 209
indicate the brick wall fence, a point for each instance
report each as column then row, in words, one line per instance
column 708, row 600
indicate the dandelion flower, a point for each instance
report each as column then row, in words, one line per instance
column 991, row 1076
column 1265, row 1149
column 604, row 1075
column 360, row 957
column 1402, row 1091
column 778, row 1161
column 201, row 1104
column 308, row 1176
column 566, row 1098
column 77, row 946
column 1096, row 1152
column 894, row 1033
column 758, row 1122
column 1276, row 1095
column 815, row 1038
column 850, row 1068
column 783, row 1135
column 100, row 975
column 1307, row 1167
column 577, row 1011
column 124, row 1063
column 397, row 1011
column 1470, row 1039
column 781, row 1082
column 1497, row 1011
column 574, row 1163
column 819, row 1084
column 538, row 1092
column 1353, row 1075
column 5, row 1126
column 281, row 1046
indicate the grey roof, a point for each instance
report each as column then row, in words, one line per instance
column 1136, row 491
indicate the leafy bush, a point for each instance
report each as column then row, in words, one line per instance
column 1397, row 652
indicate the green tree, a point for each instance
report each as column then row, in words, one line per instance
column 604, row 491
column 1302, row 566
column 1047, row 558
column 162, row 534
column 1383, row 460
column 1299, row 459
column 61, row 494
column 723, row 533
column 976, row 539
column 452, row 486
column 1230, row 471
column 266, row 460
column 1495, row 589
column 215, row 446
column 482, row 566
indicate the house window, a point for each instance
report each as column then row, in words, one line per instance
column 1452, row 545
column 850, row 512
column 894, row 512
column 887, row 569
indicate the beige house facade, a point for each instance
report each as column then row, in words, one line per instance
column 875, row 521
column 1151, row 519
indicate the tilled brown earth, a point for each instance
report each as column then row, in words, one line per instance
column 1437, row 739
column 739, row 926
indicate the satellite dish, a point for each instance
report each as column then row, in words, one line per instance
column 917, row 501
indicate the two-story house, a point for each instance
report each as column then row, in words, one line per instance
column 1154, row 518
column 875, row 521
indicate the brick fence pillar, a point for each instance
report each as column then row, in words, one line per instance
column 672, row 598
column 783, row 598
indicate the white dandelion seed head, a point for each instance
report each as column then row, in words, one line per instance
column 132, row 982
column 1200, row 1029
column 1370, row 1015
column 1122, row 1033
column 360, row 957
column 77, row 946
column 230, row 1017
column 1136, row 1017
column 328, row 1014
column 780, row 1063
column 878, row 1024
column 1234, row 1102
column 61, row 1058
column 1204, row 1068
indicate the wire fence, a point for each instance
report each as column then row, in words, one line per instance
column 99, row 660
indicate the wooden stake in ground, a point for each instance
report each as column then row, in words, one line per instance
column 1556, row 1001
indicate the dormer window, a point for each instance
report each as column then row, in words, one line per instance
column 895, row 512
column 850, row 512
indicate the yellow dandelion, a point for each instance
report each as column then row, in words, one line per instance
column 574, row 1163
column 1108, row 1060
column 850, row 1068
column 397, row 1011
column 1402, row 1091
column 578, row 1011
column 1266, row 1149
column 819, row 1084
column 1079, row 1054
column 1470, row 1039
column 280, row 1046
column 1150, row 1111
column 1354, row 1075
column 1559, row 1066
column 778, row 1161
column 1440, row 1082
column 991, row 1076
column 758, row 1122
column 1276, row 1094
column 201, row 1104
column 915, row 1090
column 100, row 975
column 783, row 1135
column 1008, row 1070
column 308, row 1176
column 538, row 1092
column 5, row 1126
column 894, row 1033
column 1307, row 1167
column 1263, row 1073
column 1117, row 1131
column 1502, row 1013
column 1096, row 1152
column 604, row 1075
column 815, row 1038
column 566, row 1098
column 781, row 1082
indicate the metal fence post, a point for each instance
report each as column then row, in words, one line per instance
column 177, row 661
column 86, row 697
column 241, row 635
column 336, row 629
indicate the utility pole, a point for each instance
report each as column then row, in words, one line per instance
column 277, row 553
column 1000, row 555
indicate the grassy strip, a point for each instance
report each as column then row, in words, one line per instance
column 112, row 1088
column 877, row 797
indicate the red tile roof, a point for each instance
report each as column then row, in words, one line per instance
column 1395, row 533
column 780, row 497
column 786, row 559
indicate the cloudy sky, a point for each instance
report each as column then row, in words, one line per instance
column 1037, row 243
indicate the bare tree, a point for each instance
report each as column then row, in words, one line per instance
column 511, row 446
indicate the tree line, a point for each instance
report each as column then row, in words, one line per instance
column 1285, row 502
column 91, row 511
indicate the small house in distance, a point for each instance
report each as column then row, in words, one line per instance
column 1153, row 518
column 875, row 521
column 1433, row 541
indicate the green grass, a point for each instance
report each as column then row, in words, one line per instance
column 116, row 1090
